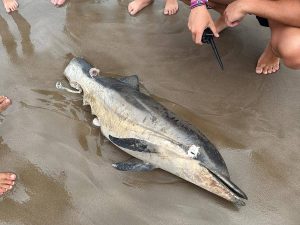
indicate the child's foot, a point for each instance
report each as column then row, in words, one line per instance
column 7, row 181
column 58, row 2
column 171, row 7
column 4, row 103
column 268, row 62
column 137, row 5
column 10, row 5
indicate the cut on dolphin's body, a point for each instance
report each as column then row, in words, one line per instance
column 145, row 129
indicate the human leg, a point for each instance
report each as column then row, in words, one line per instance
column 171, row 7
column 10, row 5
column 219, row 6
column 284, row 44
column 7, row 180
column 137, row 5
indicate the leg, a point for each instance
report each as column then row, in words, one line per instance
column 7, row 181
column 171, row 7
column 220, row 7
column 137, row 5
column 4, row 103
column 10, row 5
column 58, row 2
column 284, row 44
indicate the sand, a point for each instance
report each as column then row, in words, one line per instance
column 64, row 164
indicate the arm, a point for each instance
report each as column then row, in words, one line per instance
column 200, row 19
column 281, row 11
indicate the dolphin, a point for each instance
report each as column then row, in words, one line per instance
column 156, row 137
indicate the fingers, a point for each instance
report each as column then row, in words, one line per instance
column 232, row 24
column 198, row 38
column 214, row 29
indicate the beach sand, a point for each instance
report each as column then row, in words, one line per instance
column 64, row 164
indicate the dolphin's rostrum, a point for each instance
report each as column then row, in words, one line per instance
column 145, row 129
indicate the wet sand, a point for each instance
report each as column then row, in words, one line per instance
column 64, row 164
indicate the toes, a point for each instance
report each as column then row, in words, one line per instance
column 6, row 186
column 7, row 182
column 130, row 8
column 8, row 176
column 61, row 2
column 7, row 9
column 2, row 191
column 265, row 70
column 4, row 104
column 2, row 98
column 12, row 6
column 270, row 70
column 133, row 12
column 259, row 70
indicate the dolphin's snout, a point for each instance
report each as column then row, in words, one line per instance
column 230, row 185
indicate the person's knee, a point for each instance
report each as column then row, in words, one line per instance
column 289, row 50
column 291, row 56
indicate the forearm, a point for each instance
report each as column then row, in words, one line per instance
column 282, row 11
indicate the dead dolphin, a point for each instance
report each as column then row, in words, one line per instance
column 145, row 129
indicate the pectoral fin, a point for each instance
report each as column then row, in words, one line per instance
column 134, row 165
column 133, row 144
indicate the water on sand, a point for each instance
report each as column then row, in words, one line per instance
column 64, row 164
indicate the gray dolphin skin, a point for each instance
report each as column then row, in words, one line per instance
column 153, row 135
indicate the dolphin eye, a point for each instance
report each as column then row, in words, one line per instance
column 193, row 151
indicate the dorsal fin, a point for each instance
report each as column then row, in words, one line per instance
column 132, row 81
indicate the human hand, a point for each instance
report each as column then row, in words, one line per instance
column 235, row 12
column 199, row 20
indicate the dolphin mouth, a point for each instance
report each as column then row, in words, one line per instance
column 230, row 185
column 76, row 86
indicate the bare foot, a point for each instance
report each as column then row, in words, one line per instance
column 10, row 5
column 268, row 62
column 171, row 7
column 7, row 181
column 4, row 103
column 137, row 5
column 58, row 2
